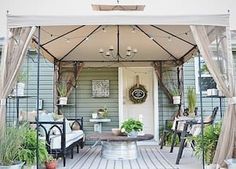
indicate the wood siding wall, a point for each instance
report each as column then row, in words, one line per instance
column 86, row 104
column 46, row 88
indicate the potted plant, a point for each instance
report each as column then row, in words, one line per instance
column 132, row 127
column 209, row 141
column 192, row 100
column 27, row 151
column 102, row 113
column 175, row 94
column 10, row 145
column 171, row 83
column 50, row 162
column 62, row 91
column 20, row 85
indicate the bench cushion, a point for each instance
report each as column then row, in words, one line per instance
column 71, row 137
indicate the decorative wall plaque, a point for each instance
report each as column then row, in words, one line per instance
column 100, row 88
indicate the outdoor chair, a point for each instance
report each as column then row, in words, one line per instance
column 166, row 131
column 188, row 133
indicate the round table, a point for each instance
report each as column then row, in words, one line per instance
column 118, row 147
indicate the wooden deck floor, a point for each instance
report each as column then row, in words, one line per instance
column 150, row 157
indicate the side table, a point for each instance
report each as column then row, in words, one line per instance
column 98, row 124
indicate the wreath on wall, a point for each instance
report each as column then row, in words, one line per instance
column 138, row 93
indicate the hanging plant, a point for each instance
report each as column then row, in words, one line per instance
column 138, row 93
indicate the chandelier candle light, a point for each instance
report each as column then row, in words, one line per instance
column 110, row 53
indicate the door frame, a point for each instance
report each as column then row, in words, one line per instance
column 155, row 101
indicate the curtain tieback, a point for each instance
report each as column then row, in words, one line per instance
column 232, row 100
column 2, row 102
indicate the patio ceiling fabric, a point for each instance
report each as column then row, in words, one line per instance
column 71, row 43
column 166, row 38
column 56, row 29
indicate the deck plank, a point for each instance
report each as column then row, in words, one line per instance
column 119, row 164
column 149, row 157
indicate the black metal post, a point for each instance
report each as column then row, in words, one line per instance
column 221, row 114
column 75, row 86
column 202, row 125
column 37, row 106
column 17, row 109
column 118, row 43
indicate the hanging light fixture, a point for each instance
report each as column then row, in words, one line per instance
column 130, row 52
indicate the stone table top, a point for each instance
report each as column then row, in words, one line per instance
column 109, row 136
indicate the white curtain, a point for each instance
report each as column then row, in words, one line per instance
column 14, row 52
column 215, row 47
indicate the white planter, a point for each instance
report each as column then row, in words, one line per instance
column 94, row 115
column 212, row 92
column 19, row 89
column 176, row 99
column 63, row 100
column 16, row 166
column 132, row 134
column 211, row 166
column 30, row 167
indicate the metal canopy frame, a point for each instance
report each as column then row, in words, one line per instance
column 176, row 61
column 158, row 63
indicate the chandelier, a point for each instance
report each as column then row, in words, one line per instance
column 110, row 53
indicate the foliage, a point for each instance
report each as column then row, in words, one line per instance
column 62, row 89
column 204, row 69
column 131, row 125
column 27, row 152
column 49, row 158
column 22, row 76
column 174, row 90
column 10, row 144
column 171, row 82
column 169, row 135
column 192, row 99
column 19, row 144
column 209, row 141
column 102, row 113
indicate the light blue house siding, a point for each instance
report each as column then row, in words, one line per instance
column 28, row 104
column 86, row 104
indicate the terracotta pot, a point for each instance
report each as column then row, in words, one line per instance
column 51, row 164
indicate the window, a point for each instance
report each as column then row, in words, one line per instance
column 207, row 81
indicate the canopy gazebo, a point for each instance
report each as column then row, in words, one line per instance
column 188, row 33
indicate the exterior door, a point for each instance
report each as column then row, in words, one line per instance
column 143, row 111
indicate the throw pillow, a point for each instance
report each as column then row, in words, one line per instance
column 75, row 126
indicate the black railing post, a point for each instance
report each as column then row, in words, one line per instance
column 37, row 105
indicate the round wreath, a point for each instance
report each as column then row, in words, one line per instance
column 138, row 94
